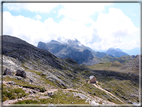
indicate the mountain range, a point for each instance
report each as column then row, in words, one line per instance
column 75, row 50
column 72, row 49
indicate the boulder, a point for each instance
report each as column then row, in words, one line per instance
column 8, row 72
column 18, row 78
column 21, row 73
column 49, row 94
column 43, row 74
column 31, row 81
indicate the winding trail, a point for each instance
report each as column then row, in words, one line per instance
column 41, row 95
column 107, row 92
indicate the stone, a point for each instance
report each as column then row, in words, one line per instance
column 11, row 83
column 49, row 93
column 89, row 93
column 43, row 74
column 30, row 92
column 8, row 72
column 34, row 92
column 18, row 78
column 21, row 73
column 31, row 81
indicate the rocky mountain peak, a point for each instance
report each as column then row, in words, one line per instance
column 74, row 43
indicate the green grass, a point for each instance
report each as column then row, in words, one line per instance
column 122, row 59
column 24, row 84
column 9, row 93
column 112, row 66
column 58, row 98
column 123, row 89
column 93, row 91
column 86, row 73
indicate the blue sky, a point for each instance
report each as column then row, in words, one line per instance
column 96, row 25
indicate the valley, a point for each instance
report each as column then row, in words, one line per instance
column 46, row 78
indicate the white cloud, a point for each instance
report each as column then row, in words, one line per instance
column 81, row 11
column 38, row 17
column 112, row 29
column 34, row 31
column 33, row 7
column 115, row 30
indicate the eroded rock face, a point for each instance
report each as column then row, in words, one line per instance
column 21, row 73
column 8, row 72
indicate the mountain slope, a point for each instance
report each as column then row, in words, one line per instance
column 52, row 80
column 115, row 52
column 122, row 59
column 16, row 48
column 132, row 65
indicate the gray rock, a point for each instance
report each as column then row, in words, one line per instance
column 49, row 93
column 43, row 74
column 30, row 92
column 21, row 73
column 31, row 81
column 11, row 83
column 34, row 92
column 18, row 78
column 8, row 72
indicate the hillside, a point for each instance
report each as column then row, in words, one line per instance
column 36, row 76
column 122, row 59
column 125, row 64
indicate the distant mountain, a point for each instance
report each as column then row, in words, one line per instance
column 71, row 49
column 115, row 52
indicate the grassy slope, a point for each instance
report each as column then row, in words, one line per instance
column 123, row 85
column 59, row 97
column 122, row 59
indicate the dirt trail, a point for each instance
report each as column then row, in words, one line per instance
column 41, row 95
column 107, row 92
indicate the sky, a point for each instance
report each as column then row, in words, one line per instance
column 99, row 26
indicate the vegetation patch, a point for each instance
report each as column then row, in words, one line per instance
column 59, row 97
column 10, row 93
column 123, row 89
column 24, row 84
column 93, row 91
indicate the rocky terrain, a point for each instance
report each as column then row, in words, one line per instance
column 36, row 76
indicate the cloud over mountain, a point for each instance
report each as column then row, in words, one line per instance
column 107, row 29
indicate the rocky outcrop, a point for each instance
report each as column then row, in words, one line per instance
column 7, row 72
column 21, row 73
